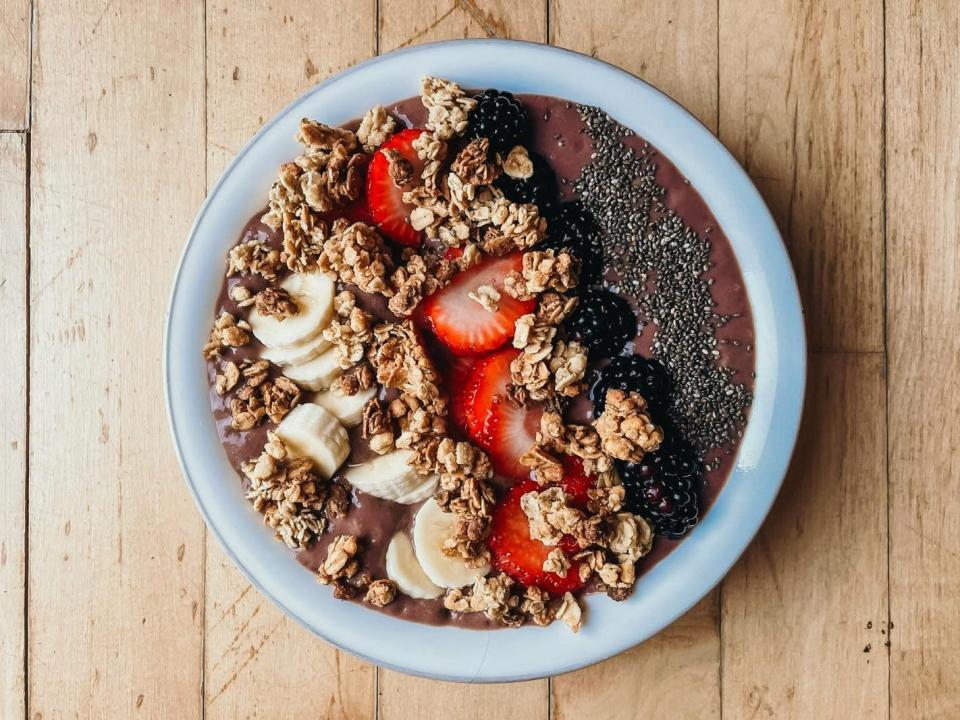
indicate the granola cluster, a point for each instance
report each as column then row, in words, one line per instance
column 227, row 332
column 502, row 599
column 625, row 428
column 262, row 394
column 287, row 491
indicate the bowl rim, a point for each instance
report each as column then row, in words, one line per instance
column 788, row 336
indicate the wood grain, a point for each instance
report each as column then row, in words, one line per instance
column 403, row 23
column 673, row 46
column 923, row 325
column 258, row 662
column 801, row 92
column 14, row 64
column 804, row 611
column 116, row 544
column 412, row 22
column 13, row 420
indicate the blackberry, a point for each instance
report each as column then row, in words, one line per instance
column 539, row 189
column 501, row 118
column 644, row 375
column 603, row 321
column 665, row 488
column 572, row 228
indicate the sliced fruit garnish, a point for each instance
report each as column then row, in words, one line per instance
column 385, row 199
column 575, row 480
column 486, row 385
column 510, row 431
column 459, row 377
column 520, row 556
column 461, row 323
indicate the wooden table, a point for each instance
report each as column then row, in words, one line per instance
column 118, row 115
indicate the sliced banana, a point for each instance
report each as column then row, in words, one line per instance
column 319, row 373
column 390, row 477
column 404, row 569
column 313, row 294
column 431, row 528
column 311, row 431
column 348, row 409
column 297, row 354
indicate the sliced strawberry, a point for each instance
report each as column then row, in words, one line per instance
column 459, row 376
column 487, row 384
column 575, row 480
column 358, row 211
column 510, row 431
column 520, row 556
column 461, row 323
column 385, row 199
column 452, row 253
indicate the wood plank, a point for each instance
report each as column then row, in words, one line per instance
column 412, row 22
column 13, row 420
column 404, row 23
column 923, row 325
column 675, row 674
column 673, row 46
column 249, row 642
column 801, row 107
column 116, row 544
column 14, row 64
column 804, row 612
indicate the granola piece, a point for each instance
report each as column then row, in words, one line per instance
column 318, row 137
column 556, row 562
column 433, row 151
column 242, row 296
column 381, row 592
column 287, row 492
column 568, row 364
column 285, row 195
column 275, row 302
column 351, row 332
column 494, row 596
column 227, row 332
column 546, row 467
column 398, row 167
column 339, row 563
column 582, row 441
column 402, row 362
column 377, row 427
column 413, row 281
column 550, row 515
column 354, row 380
column 625, row 428
column 553, row 308
column 357, row 254
column 448, row 107
column 630, row 538
column 227, row 378
column 375, row 127
column 530, row 371
column 279, row 397
column 517, row 164
column 338, row 502
column 254, row 257
column 344, row 175
column 536, row 605
column 570, row 612
column 520, row 227
column 487, row 296
column 473, row 165
column 304, row 234
column 260, row 397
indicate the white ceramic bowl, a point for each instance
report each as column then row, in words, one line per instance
column 676, row 583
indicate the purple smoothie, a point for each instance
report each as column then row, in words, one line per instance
column 558, row 135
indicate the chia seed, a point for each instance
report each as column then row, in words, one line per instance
column 661, row 262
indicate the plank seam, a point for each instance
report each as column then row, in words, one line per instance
column 26, row 441
column 886, row 346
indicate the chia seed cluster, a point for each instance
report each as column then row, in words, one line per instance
column 662, row 263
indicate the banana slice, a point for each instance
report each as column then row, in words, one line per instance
column 319, row 373
column 297, row 354
column 404, row 569
column 310, row 431
column 431, row 528
column 313, row 294
column 390, row 477
column 348, row 409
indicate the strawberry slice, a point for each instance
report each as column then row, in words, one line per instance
column 575, row 480
column 487, row 384
column 459, row 377
column 461, row 323
column 385, row 199
column 520, row 556
column 511, row 430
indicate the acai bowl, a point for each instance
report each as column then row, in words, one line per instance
column 515, row 421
